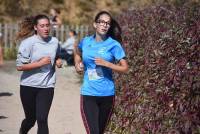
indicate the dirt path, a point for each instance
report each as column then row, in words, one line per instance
column 64, row 117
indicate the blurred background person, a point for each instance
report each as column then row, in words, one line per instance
column 55, row 20
column 67, row 48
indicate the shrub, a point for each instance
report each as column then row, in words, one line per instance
column 10, row 53
column 161, row 92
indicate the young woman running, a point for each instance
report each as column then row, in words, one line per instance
column 97, row 56
column 37, row 57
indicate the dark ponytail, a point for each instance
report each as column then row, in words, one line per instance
column 114, row 30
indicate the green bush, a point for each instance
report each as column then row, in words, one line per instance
column 10, row 53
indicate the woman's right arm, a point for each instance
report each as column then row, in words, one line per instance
column 77, row 59
column 43, row 61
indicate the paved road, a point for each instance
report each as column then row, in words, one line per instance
column 64, row 117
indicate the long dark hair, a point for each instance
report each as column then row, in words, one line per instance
column 114, row 30
column 26, row 26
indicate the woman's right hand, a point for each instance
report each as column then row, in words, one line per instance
column 79, row 67
column 45, row 61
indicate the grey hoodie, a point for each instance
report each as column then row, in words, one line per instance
column 33, row 49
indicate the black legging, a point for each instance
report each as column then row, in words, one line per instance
column 36, row 104
column 96, row 112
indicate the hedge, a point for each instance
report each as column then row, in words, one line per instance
column 161, row 92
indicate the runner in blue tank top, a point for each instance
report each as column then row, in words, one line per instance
column 95, row 56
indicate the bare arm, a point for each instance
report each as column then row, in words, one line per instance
column 78, row 60
column 43, row 61
column 121, row 67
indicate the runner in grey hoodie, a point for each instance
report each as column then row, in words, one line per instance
column 37, row 57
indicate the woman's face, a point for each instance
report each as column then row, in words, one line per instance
column 102, row 25
column 43, row 28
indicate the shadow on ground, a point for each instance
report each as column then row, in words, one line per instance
column 3, row 117
column 2, row 94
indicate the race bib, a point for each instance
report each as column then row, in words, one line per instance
column 95, row 74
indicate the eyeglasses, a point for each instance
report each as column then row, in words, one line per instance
column 103, row 23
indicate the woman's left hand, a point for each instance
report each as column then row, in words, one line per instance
column 59, row 63
column 101, row 62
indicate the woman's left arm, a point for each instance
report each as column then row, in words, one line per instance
column 121, row 67
column 58, row 60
